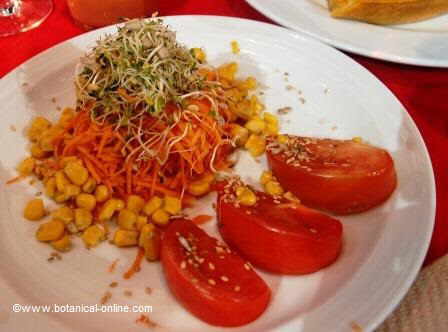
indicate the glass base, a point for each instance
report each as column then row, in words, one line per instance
column 22, row 15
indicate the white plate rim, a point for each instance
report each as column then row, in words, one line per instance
column 412, row 275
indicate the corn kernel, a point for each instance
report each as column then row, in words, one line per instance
column 256, row 145
column 37, row 152
column 83, row 218
column 93, row 235
column 270, row 118
column 135, row 203
column 246, row 197
column 282, row 139
column 228, row 71
column 160, row 217
column 235, row 47
column 34, row 210
column 61, row 198
column 86, row 201
column 67, row 115
column 243, row 110
column 153, row 204
column 127, row 219
column 109, row 208
column 199, row 54
column 273, row 188
column 77, row 173
column 47, row 138
column 141, row 221
column 89, row 186
column 265, row 177
column 249, row 83
column 64, row 214
column 291, row 197
column 63, row 244
column 239, row 134
column 172, row 205
column 65, row 160
column 61, row 181
column 150, row 241
column 255, row 106
column 26, row 166
column 255, row 125
column 38, row 126
column 240, row 190
column 50, row 187
column 72, row 190
column 50, row 231
column 271, row 129
column 199, row 188
column 101, row 193
column 125, row 238
column 71, row 227
column 357, row 139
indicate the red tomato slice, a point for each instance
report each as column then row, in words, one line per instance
column 279, row 235
column 339, row 176
column 211, row 281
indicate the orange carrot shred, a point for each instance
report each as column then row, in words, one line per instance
column 135, row 267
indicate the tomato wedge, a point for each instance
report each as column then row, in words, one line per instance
column 279, row 235
column 211, row 281
column 338, row 176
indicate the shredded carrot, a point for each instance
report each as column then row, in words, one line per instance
column 202, row 219
column 136, row 265
column 16, row 179
column 113, row 266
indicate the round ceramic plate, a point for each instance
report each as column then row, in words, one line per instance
column 424, row 43
column 330, row 95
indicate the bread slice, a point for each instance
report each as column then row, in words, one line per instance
column 387, row 11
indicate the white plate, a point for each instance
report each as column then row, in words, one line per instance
column 383, row 248
column 424, row 43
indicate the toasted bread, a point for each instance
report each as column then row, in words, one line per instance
column 386, row 12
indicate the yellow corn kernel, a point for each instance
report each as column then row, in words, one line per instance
column 47, row 138
column 93, row 235
column 357, row 139
column 265, row 177
column 67, row 115
column 77, row 173
column 255, row 106
column 83, row 218
column 141, row 221
column 86, row 201
column 61, row 198
column 228, row 71
column 50, row 187
column 135, row 203
column 34, row 210
column 172, row 205
column 71, row 227
column 235, row 47
column 199, row 188
column 270, row 118
column 61, row 181
column 125, row 238
column 240, row 190
column 273, row 188
column 37, row 152
column 63, row 244
column 246, row 197
column 64, row 214
column 50, row 231
column 108, row 209
column 256, row 145
column 249, row 83
column 26, row 166
column 153, row 204
column 160, row 217
column 72, row 190
column 271, row 129
column 255, row 125
column 199, row 54
column 127, row 219
column 291, row 197
column 89, row 186
column 101, row 193
column 64, row 161
column 239, row 134
column 119, row 203
column 38, row 126
column 150, row 241
column 282, row 139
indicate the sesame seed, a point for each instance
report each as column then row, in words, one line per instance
column 312, row 230
column 211, row 266
column 224, row 278
column 148, row 290
column 127, row 293
column 247, row 266
column 183, row 265
column 237, row 288
column 113, row 284
column 194, row 280
column 211, row 282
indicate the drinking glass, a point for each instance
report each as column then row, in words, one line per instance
column 22, row 15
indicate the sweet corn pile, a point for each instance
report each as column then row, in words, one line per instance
column 87, row 209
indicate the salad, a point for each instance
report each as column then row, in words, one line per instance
column 154, row 129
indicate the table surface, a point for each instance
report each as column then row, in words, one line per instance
column 421, row 90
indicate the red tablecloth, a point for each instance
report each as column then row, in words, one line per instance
column 421, row 90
